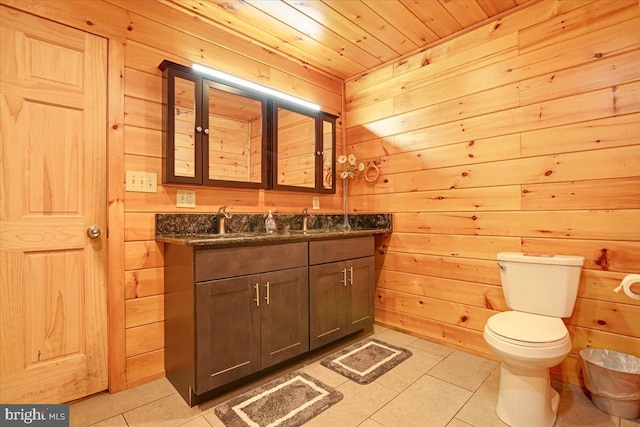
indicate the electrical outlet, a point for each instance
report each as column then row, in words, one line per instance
column 186, row 199
column 143, row 182
column 316, row 202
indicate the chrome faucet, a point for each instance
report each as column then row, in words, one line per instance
column 222, row 217
column 305, row 218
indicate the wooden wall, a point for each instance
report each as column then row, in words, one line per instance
column 522, row 135
column 141, row 34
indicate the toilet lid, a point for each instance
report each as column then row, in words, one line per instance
column 527, row 327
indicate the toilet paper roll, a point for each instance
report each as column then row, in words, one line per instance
column 626, row 285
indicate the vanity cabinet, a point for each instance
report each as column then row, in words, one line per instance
column 249, row 323
column 341, row 283
column 234, row 311
column 231, row 312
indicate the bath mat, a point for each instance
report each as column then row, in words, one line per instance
column 288, row 401
column 365, row 361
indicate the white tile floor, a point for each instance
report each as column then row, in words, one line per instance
column 437, row 386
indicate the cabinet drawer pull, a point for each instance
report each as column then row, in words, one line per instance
column 267, row 286
column 351, row 275
column 240, row 365
column 344, row 276
column 257, row 300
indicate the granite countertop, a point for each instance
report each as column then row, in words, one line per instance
column 201, row 229
column 280, row 236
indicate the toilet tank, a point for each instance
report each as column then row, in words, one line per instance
column 540, row 283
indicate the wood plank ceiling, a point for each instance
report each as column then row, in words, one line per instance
column 344, row 38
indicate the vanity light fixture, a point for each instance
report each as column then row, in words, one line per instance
column 255, row 86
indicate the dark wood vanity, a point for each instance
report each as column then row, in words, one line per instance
column 341, row 286
column 235, row 310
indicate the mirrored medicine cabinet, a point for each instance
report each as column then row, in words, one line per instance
column 219, row 134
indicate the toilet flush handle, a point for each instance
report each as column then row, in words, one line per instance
column 502, row 267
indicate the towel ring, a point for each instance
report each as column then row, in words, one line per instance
column 368, row 175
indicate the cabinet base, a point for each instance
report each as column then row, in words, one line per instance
column 192, row 398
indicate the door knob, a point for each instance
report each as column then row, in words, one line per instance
column 94, row 232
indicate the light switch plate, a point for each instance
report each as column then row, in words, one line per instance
column 143, row 182
column 316, row 202
column 186, row 199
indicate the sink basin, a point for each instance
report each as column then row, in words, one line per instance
column 224, row 236
column 247, row 234
column 235, row 235
column 308, row 231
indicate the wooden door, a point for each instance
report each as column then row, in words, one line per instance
column 359, row 298
column 227, row 331
column 53, row 310
column 284, row 317
column 326, row 303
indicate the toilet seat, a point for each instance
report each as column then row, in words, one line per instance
column 527, row 329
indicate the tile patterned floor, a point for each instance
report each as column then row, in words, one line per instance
column 437, row 386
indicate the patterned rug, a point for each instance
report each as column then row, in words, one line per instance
column 288, row 401
column 365, row 361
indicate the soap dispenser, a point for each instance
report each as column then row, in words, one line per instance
column 270, row 224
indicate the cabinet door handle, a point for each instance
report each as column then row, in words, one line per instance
column 257, row 300
column 351, row 275
column 344, row 276
column 199, row 129
column 268, row 287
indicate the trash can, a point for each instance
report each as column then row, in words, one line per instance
column 613, row 378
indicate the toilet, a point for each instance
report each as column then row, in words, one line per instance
column 540, row 289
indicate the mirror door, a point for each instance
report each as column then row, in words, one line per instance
column 235, row 152
column 295, row 149
column 303, row 150
column 184, row 122
column 328, row 141
column 182, row 142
